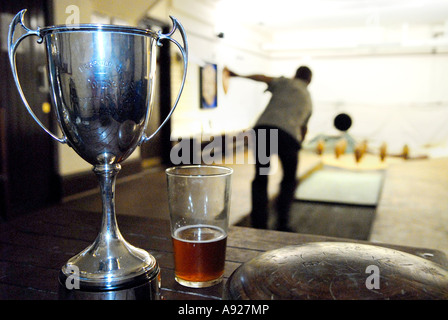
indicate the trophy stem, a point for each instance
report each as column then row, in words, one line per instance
column 107, row 175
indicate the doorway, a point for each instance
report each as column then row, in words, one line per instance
column 28, row 163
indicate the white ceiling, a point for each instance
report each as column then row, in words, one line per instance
column 283, row 15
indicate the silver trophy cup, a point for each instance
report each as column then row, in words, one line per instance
column 102, row 79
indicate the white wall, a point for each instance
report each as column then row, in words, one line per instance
column 390, row 79
column 239, row 50
column 394, row 98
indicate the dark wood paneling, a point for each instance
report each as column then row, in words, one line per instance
column 29, row 164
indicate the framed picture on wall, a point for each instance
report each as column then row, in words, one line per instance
column 208, row 84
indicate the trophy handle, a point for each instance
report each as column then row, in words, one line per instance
column 184, row 50
column 12, row 48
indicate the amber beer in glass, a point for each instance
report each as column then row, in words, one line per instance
column 192, row 246
column 199, row 198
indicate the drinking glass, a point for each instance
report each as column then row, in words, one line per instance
column 199, row 202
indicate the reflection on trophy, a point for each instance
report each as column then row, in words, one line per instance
column 102, row 79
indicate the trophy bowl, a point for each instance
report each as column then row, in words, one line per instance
column 101, row 82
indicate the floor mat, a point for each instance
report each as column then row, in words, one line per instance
column 335, row 185
column 325, row 219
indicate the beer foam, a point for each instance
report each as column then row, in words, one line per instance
column 199, row 233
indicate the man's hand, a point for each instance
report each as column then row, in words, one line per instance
column 230, row 73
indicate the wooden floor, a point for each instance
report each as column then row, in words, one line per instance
column 413, row 208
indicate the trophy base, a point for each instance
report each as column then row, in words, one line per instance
column 143, row 287
column 110, row 269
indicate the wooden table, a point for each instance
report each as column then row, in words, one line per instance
column 34, row 247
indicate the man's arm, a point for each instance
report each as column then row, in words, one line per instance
column 255, row 77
